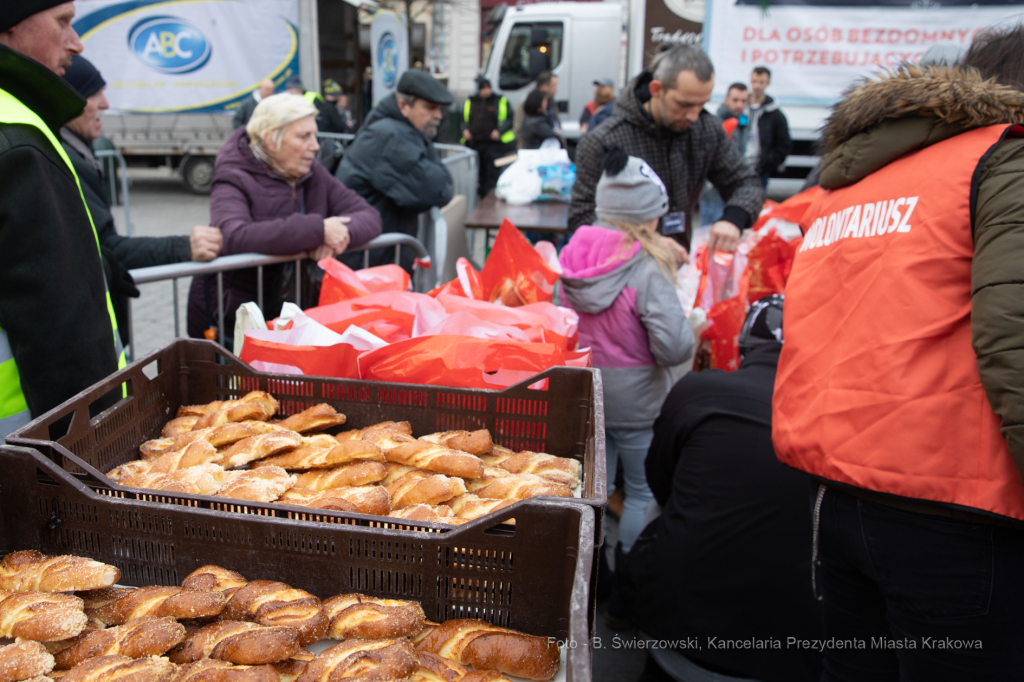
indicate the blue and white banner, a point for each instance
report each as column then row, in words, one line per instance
column 818, row 48
column 390, row 52
column 173, row 56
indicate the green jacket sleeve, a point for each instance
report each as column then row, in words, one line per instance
column 997, row 290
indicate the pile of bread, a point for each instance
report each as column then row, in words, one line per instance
column 234, row 449
column 70, row 622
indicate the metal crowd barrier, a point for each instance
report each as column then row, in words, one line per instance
column 219, row 266
column 122, row 167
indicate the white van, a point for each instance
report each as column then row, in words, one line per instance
column 581, row 42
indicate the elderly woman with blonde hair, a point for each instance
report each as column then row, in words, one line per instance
column 270, row 195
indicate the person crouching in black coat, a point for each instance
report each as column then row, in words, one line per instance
column 729, row 557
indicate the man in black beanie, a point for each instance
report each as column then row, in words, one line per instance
column 58, row 333
column 119, row 253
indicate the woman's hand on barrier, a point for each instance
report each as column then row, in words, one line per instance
column 320, row 252
column 205, row 243
column 336, row 234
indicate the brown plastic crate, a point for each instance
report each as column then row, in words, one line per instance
column 533, row 577
column 566, row 419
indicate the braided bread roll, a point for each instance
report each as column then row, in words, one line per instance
column 209, row 670
column 115, row 668
column 146, row 636
column 487, row 647
column 172, row 602
column 490, row 475
column 177, row 427
column 212, row 577
column 258, row 447
column 29, row 570
column 423, row 487
column 469, row 506
column 388, row 659
column 256, row 411
column 361, row 499
column 316, row 418
column 265, row 484
column 356, row 616
column 291, row 668
column 475, row 442
column 317, row 457
column 520, row 487
column 432, row 668
column 41, row 616
column 560, row 470
column 425, row 512
column 353, row 473
column 385, row 439
column 24, row 659
column 217, row 436
column 95, row 599
column 205, row 479
column 261, row 397
column 393, row 427
column 272, row 603
column 238, row 642
column 129, row 470
column 436, row 458
column 193, row 454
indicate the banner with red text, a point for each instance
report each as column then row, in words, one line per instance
column 815, row 50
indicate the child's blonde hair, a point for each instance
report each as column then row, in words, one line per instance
column 650, row 241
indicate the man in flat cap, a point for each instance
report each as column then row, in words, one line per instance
column 393, row 164
column 58, row 334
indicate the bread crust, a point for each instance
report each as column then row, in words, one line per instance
column 204, row 479
column 275, row 604
column 521, row 487
column 129, row 470
column 258, row 447
column 265, row 484
column 217, row 436
column 353, row 473
column 24, row 659
column 469, row 506
column 193, row 454
column 316, row 457
column 172, row 602
column 178, row 426
column 121, row 669
column 370, row 660
column 262, row 397
column 436, row 458
column 560, row 470
column 425, row 512
column 423, row 487
column 433, row 668
column 357, row 616
column 146, row 636
column 364, row 499
column 487, row 647
column 256, row 411
column 357, row 434
column 209, row 670
column 211, row 577
column 29, row 570
column 238, row 642
column 473, row 442
column 316, row 418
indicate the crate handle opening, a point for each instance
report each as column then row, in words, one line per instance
column 153, row 369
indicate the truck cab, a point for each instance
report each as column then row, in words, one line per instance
column 580, row 42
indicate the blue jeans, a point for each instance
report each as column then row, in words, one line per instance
column 631, row 446
column 900, row 576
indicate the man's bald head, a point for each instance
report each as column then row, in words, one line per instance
column 267, row 88
column 46, row 37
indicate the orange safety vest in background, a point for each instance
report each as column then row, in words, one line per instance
column 878, row 385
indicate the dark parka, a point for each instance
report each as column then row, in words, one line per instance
column 53, row 303
column 773, row 137
column 682, row 159
column 397, row 170
column 881, row 120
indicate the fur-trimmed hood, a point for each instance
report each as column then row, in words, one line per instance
column 883, row 118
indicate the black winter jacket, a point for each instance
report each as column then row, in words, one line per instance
column 536, row 129
column 53, row 303
column 730, row 554
column 683, row 160
column 397, row 170
column 773, row 135
column 130, row 252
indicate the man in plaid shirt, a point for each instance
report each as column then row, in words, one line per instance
column 660, row 118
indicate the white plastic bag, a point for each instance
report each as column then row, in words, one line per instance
column 519, row 183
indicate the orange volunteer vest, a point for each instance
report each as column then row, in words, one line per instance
column 878, row 384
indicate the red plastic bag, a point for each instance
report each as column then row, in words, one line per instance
column 461, row 361
column 515, row 273
column 466, row 284
column 791, row 210
column 390, row 315
column 542, row 322
column 769, row 263
column 342, row 283
column 306, row 348
column 723, row 294
column 467, row 324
